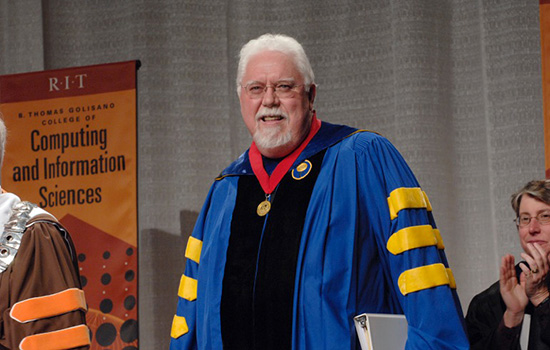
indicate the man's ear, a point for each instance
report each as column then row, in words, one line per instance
column 311, row 95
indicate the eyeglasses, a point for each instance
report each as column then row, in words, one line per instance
column 543, row 218
column 283, row 89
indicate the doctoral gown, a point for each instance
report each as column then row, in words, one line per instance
column 42, row 305
column 350, row 231
column 486, row 328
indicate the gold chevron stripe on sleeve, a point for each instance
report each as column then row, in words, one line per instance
column 188, row 288
column 411, row 238
column 179, row 327
column 407, row 198
column 193, row 249
column 425, row 277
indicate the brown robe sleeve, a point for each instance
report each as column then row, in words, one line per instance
column 44, row 265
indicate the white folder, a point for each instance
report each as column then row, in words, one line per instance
column 381, row 331
column 389, row 332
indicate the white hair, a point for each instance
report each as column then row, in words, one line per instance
column 280, row 43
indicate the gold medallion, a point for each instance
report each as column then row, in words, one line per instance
column 263, row 208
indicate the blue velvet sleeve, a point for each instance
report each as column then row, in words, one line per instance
column 410, row 246
column 183, row 333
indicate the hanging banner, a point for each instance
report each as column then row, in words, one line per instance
column 71, row 149
column 545, row 51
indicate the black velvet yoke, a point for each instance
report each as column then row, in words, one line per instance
column 258, row 285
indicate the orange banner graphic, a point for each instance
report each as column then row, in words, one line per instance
column 71, row 149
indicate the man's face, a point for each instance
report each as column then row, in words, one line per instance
column 534, row 232
column 277, row 124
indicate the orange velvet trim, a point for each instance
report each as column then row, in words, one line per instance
column 67, row 338
column 49, row 305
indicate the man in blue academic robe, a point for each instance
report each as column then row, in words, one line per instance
column 314, row 224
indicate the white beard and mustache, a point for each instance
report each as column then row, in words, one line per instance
column 272, row 136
